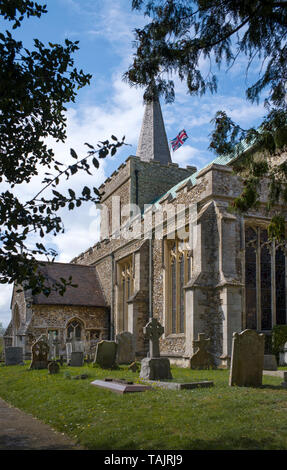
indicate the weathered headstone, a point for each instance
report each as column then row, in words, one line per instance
column 202, row 358
column 77, row 359
column 106, row 353
column 247, row 359
column 154, row 367
column 68, row 351
column 13, row 355
column 126, row 348
column 52, row 349
column 270, row 362
column 40, row 351
column 53, row 367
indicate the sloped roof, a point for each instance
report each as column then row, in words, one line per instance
column 88, row 293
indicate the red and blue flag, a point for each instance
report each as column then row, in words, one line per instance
column 179, row 140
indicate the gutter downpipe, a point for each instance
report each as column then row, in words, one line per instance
column 112, row 329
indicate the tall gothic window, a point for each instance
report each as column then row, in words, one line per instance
column 265, row 280
column 126, row 290
column 178, row 268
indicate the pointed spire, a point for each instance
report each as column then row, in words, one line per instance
column 153, row 144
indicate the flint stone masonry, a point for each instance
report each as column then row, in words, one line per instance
column 247, row 359
column 106, row 353
column 13, row 356
column 125, row 348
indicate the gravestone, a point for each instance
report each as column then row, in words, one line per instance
column 283, row 356
column 52, row 349
column 154, row 367
column 13, row 356
column 247, row 359
column 202, row 358
column 270, row 362
column 106, row 353
column 40, row 351
column 53, row 367
column 126, row 348
column 77, row 359
column 68, row 351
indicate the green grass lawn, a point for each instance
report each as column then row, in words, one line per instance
column 220, row 417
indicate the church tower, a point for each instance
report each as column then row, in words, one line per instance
column 142, row 178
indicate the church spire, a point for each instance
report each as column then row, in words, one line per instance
column 153, row 144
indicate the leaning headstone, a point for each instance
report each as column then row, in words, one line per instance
column 106, row 353
column 40, row 352
column 202, row 358
column 154, row 367
column 13, row 356
column 126, row 348
column 247, row 359
column 77, row 359
column 53, row 367
column 270, row 362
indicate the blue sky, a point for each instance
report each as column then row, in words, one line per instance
column 109, row 106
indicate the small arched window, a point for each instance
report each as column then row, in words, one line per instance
column 74, row 329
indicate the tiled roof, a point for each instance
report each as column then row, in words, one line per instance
column 88, row 292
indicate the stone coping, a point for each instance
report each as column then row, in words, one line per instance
column 180, row 385
column 277, row 373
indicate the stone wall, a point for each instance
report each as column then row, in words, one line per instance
column 57, row 317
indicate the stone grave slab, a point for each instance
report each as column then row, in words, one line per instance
column 13, row 356
column 278, row 373
column 179, row 385
column 247, row 359
column 77, row 359
column 121, row 386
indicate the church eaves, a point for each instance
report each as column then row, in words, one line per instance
column 153, row 143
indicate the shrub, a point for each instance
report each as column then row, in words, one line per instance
column 279, row 338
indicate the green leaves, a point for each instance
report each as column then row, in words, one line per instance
column 35, row 87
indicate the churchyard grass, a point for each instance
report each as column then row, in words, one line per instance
column 220, row 417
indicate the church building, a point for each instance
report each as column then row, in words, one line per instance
column 170, row 248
